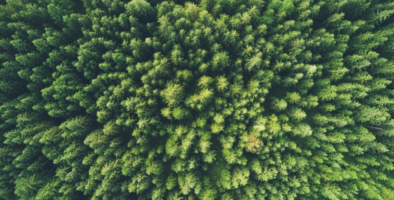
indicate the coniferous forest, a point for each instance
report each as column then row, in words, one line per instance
column 197, row 100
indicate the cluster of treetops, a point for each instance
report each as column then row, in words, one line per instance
column 197, row 100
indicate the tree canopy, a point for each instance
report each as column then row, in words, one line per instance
column 203, row 99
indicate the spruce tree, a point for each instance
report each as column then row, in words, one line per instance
column 207, row 99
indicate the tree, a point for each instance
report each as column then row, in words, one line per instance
column 283, row 99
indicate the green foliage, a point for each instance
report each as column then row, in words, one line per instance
column 209, row 99
column 173, row 94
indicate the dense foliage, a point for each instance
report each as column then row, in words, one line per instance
column 206, row 99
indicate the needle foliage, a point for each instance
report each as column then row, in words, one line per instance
column 197, row 100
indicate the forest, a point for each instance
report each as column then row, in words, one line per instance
column 197, row 99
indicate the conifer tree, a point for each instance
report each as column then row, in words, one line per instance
column 276, row 99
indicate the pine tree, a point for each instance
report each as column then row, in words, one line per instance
column 283, row 99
